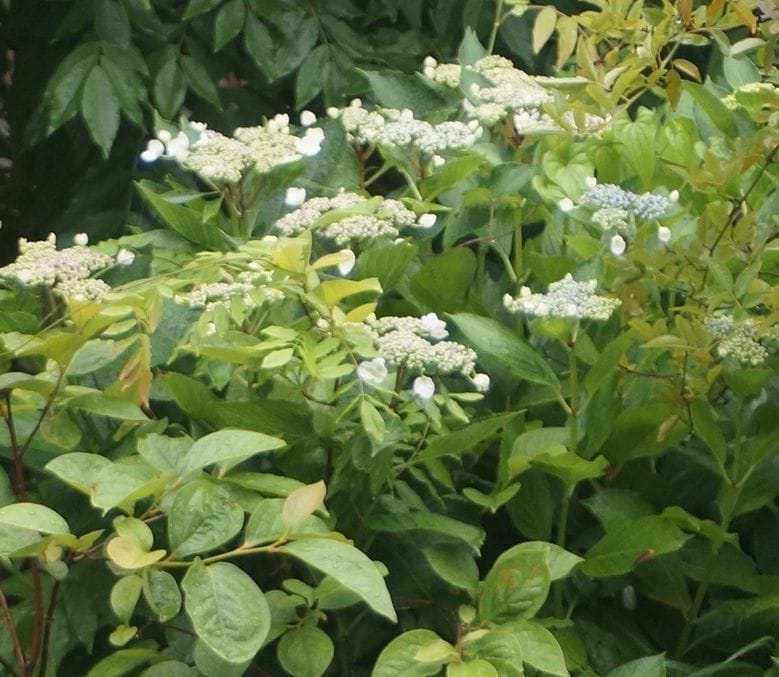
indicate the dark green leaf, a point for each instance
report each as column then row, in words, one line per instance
column 229, row 23
column 196, row 7
column 399, row 656
column 259, row 44
column 400, row 90
column 463, row 440
column 112, row 23
column 310, row 77
column 162, row 594
column 306, row 651
column 100, row 108
column 649, row 666
column 199, row 80
column 170, row 88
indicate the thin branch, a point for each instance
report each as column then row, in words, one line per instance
column 14, row 635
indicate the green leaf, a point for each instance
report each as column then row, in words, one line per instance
column 78, row 469
column 162, row 594
column 474, row 668
column 372, row 421
column 649, row 666
column 569, row 467
column 630, row 541
column 124, row 596
column 197, row 7
column 123, row 662
column 444, row 281
column 515, row 587
column 400, row 90
column 704, row 424
column 713, row 108
column 310, row 77
column 112, row 23
column 454, row 564
column 170, row 669
column 302, row 503
column 306, row 651
column 203, row 517
column 543, row 28
column 560, row 561
column 540, row 649
column 470, row 49
column 399, row 656
column 229, row 23
column 259, row 44
column 228, row 611
column 184, row 220
column 170, row 88
column 347, row 565
column 228, row 447
column 266, row 525
column 503, row 354
column 199, row 80
column 33, row 516
column 127, row 86
column 113, row 407
column 100, row 108
column 63, row 89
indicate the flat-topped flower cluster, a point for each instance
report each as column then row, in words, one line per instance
column 364, row 218
column 495, row 89
column 566, row 298
column 418, row 344
column 223, row 159
column 739, row 340
column 66, row 271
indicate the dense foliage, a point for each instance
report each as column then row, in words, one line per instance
column 475, row 375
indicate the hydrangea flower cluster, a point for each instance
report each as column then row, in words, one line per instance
column 739, row 340
column 417, row 343
column 386, row 220
column 223, row 159
column 762, row 89
column 506, row 90
column 220, row 294
column 393, row 128
column 67, row 271
column 565, row 298
column 616, row 211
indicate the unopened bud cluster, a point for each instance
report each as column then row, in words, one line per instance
column 739, row 340
column 386, row 219
column 67, row 271
column 566, row 298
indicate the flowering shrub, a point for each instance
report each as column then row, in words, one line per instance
column 473, row 377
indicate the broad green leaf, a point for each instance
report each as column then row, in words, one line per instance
column 464, row 440
column 302, row 503
column 33, row 516
column 183, row 219
column 393, row 89
column 162, row 594
column 491, row 501
column 197, row 7
column 124, row 661
column 306, row 651
column 309, row 80
column 540, row 649
column 712, row 107
column 78, row 469
column 259, row 44
column 266, row 525
column 65, row 86
column 445, row 280
column 628, row 542
column 399, row 656
column 649, row 666
column 504, row 355
column 199, row 80
column 95, row 355
column 124, row 596
column 209, row 663
column 6, row 490
column 122, row 635
column 569, row 467
column 333, row 292
column 104, row 405
column 470, row 49
column 543, row 28
column 170, row 669
column 560, row 561
column 454, row 564
column 124, row 482
column 228, row 611
column 128, row 554
column 347, row 565
column 100, row 108
column 112, row 23
column 372, row 421
column 612, row 506
column 170, row 87
column 228, row 447
column 474, row 668
column 515, row 587
column 203, row 517
column 499, row 642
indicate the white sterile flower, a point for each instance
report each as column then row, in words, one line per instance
column 591, row 182
column 673, row 196
column 124, row 257
column 429, row 62
column 618, row 245
column 345, row 267
column 81, row 239
column 164, row 135
column 372, row 371
column 210, row 329
column 566, row 205
column 438, row 161
column 664, row 234
column 424, row 387
column 311, row 142
column 307, row 118
column 427, row 220
column 294, row 197
column 481, row 382
column 434, row 326
column 332, row 112
column 178, row 146
column 155, row 149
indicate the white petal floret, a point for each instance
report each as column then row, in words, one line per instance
column 424, row 387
